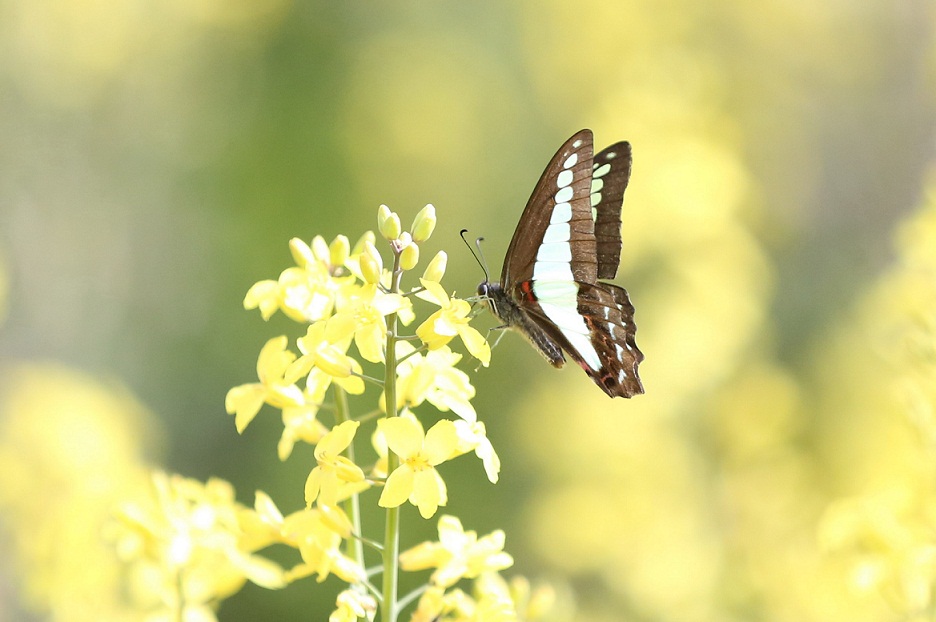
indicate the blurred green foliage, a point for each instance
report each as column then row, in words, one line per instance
column 157, row 156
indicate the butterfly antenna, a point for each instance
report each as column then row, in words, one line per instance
column 479, row 256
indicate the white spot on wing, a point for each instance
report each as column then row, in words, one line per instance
column 564, row 178
column 564, row 194
column 561, row 213
column 577, row 144
column 611, row 155
column 601, row 171
column 595, row 199
column 551, row 271
column 597, row 184
column 557, row 232
column 554, row 251
column 555, row 292
column 570, row 161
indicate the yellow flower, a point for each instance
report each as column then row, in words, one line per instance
column 458, row 554
column 433, row 377
column 306, row 292
column 333, row 469
column 363, row 316
column 264, row 295
column 495, row 601
column 325, row 350
column 451, row 320
column 312, row 532
column 300, row 424
column 244, row 401
column 352, row 605
column 473, row 437
column 192, row 532
column 416, row 479
column 530, row 603
column 431, row 605
column 316, row 533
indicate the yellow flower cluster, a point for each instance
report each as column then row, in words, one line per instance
column 346, row 296
column 189, row 547
column 887, row 534
column 353, row 306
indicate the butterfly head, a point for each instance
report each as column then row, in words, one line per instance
column 490, row 292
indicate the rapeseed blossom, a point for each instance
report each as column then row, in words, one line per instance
column 333, row 469
column 457, row 554
column 451, row 320
column 416, row 479
column 354, row 306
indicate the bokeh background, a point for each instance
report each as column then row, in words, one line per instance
column 779, row 245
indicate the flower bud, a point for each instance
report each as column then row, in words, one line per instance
column 409, row 257
column 301, row 252
column 320, row 249
column 436, row 268
column 371, row 263
column 388, row 223
column 339, row 250
column 424, row 223
column 368, row 236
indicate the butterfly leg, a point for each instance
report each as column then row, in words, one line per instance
column 499, row 329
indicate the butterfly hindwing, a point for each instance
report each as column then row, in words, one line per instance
column 602, row 343
column 610, row 173
column 609, row 314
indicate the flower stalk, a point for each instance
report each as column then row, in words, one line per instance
column 391, row 549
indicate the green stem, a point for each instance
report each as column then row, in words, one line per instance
column 391, row 551
column 352, row 507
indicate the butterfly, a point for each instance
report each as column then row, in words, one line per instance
column 568, row 237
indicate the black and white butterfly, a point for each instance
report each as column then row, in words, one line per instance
column 568, row 237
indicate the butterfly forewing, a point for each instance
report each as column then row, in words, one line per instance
column 559, row 210
column 610, row 174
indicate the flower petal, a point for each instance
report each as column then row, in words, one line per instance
column 476, row 344
column 441, row 440
column 244, row 402
column 404, row 438
column 398, row 488
column 337, row 440
column 436, row 291
column 313, row 485
column 428, row 492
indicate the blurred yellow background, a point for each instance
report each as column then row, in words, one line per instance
column 779, row 246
